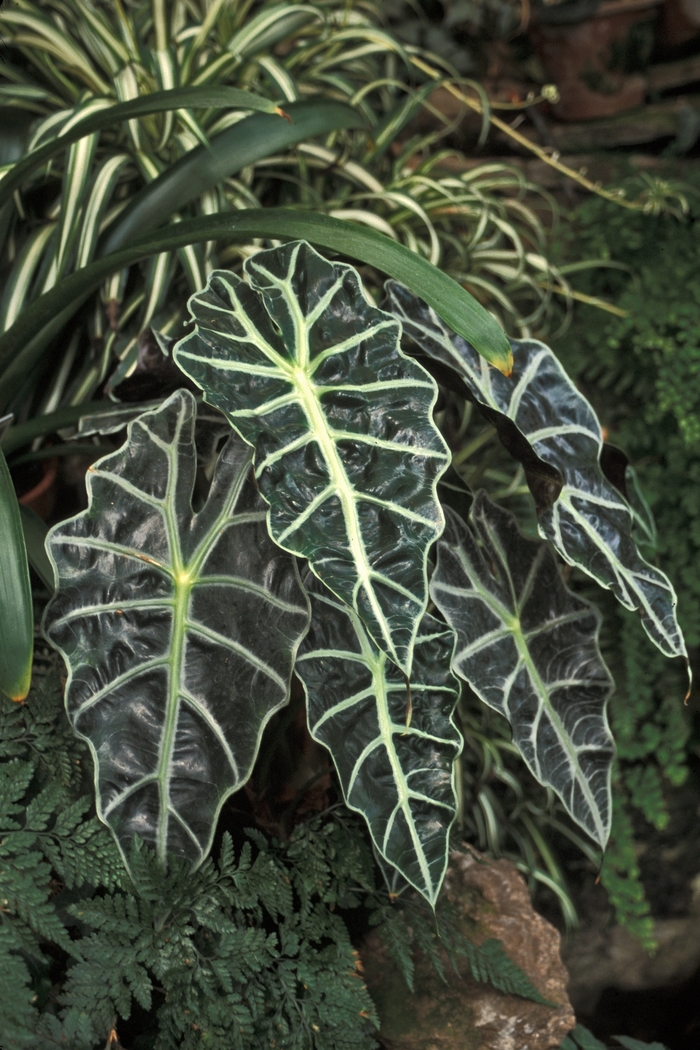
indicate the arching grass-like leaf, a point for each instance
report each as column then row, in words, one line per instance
column 590, row 524
column 346, row 452
column 23, row 344
column 110, row 114
column 35, row 531
column 399, row 776
column 16, row 612
column 179, row 631
column 203, row 167
column 528, row 647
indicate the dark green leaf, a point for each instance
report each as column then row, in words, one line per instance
column 399, row 776
column 244, row 143
column 113, row 113
column 591, row 523
column 636, row 1044
column 179, row 631
column 40, row 426
column 23, row 344
column 347, row 455
column 529, row 648
column 16, row 611
column 490, row 963
column 35, row 533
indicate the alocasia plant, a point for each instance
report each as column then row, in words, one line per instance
column 313, row 553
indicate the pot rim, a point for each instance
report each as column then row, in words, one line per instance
column 47, row 480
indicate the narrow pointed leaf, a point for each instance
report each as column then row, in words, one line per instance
column 179, row 631
column 400, row 779
column 346, row 452
column 528, row 647
column 590, row 524
column 24, row 343
column 21, row 434
column 144, row 105
column 16, row 611
column 235, row 148
column 35, row 532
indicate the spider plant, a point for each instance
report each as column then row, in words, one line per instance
column 344, row 83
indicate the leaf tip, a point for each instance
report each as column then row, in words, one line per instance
column 504, row 362
column 281, row 113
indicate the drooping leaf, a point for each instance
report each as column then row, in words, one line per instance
column 528, row 647
column 590, row 524
column 179, row 630
column 16, row 611
column 346, row 452
column 22, row 345
column 399, row 776
column 111, row 113
column 237, row 147
column 39, row 426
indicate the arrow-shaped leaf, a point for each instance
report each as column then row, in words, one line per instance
column 399, row 778
column 591, row 523
column 179, row 630
column 346, row 452
column 529, row 648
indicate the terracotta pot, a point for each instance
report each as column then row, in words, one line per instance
column 598, row 64
column 42, row 498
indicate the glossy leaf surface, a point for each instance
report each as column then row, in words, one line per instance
column 529, row 648
column 590, row 524
column 179, row 631
column 16, row 610
column 346, row 452
column 400, row 779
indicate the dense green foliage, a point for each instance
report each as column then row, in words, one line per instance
column 641, row 374
column 250, row 951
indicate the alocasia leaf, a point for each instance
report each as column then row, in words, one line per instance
column 398, row 776
column 590, row 524
column 179, row 630
column 346, row 451
column 528, row 647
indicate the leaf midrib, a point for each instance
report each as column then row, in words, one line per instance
column 512, row 622
column 298, row 373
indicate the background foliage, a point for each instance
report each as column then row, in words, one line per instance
column 641, row 374
column 254, row 949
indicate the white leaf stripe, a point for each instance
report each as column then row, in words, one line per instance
column 562, row 429
column 356, row 706
column 293, row 412
column 554, row 694
column 173, row 719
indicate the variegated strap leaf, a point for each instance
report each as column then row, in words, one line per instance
column 591, row 523
column 394, row 750
column 179, row 630
column 528, row 647
column 346, row 452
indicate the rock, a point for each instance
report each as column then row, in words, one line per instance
column 464, row 1014
column 602, row 955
